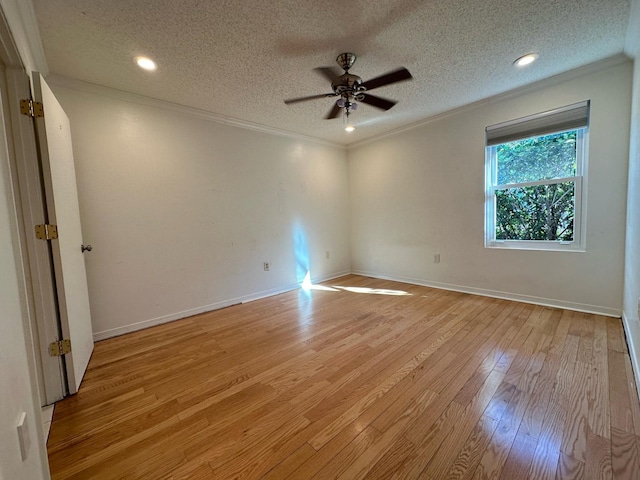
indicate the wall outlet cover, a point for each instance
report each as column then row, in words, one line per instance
column 23, row 436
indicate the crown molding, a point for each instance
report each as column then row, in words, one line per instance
column 92, row 88
column 532, row 87
column 79, row 85
column 632, row 37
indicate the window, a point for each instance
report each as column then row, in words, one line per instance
column 535, row 180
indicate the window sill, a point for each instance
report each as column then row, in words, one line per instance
column 537, row 246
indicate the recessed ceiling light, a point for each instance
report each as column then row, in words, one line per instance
column 526, row 59
column 349, row 128
column 146, row 63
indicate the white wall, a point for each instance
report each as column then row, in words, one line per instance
column 421, row 191
column 632, row 258
column 182, row 211
column 18, row 390
column 18, row 386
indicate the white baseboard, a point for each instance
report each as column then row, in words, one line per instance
column 152, row 322
column 114, row 332
column 546, row 302
column 632, row 332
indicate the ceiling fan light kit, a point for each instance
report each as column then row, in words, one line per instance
column 351, row 89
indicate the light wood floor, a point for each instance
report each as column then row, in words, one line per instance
column 357, row 383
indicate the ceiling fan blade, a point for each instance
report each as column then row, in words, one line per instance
column 334, row 112
column 399, row 75
column 378, row 102
column 330, row 73
column 305, row 99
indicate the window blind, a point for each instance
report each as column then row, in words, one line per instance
column 560, row 119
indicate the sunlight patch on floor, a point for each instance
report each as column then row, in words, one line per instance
column 373, row 291
column 307, row 286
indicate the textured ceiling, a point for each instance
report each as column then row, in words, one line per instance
column 241, row 58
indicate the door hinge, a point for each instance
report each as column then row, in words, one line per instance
column 46, row 232
column 62, row 347
column 31, row 108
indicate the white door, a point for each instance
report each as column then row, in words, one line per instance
column 61, row 196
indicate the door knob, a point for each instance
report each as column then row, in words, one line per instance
column 86, row 248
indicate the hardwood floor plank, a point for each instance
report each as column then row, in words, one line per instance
column 546, row 457
column 625, row 457
column 619, row 394
column 325, row 455
column 138, row 451
column 356, row 410
column 115, row 439
column 498, row 404
column 192, row 472
column 385, row 442
column 598, row 465
column 471, row 452
column 123, row 408
column 599, row 414
column 368, row 378
column 574, row 440
column 525, row 355
column 585, row 350
column 252, row 459
column 615, row 335
column 633, row 393
column 562, row 330
column 450, row 449
column 345, row 458
column 557, row 368
column 436, row 454
column 495, row 456
column 398, row 452
column 569, row 468
column 520, row 457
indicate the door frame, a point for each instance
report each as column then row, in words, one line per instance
column 41, row 301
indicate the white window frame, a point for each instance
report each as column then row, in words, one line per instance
column 580, row 179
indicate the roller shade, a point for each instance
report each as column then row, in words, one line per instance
column 570, row 117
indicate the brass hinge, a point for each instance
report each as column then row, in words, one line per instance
column 46, row 232
column 31, row 108
column 57, row 349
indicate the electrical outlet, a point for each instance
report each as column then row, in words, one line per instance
column 266, row 266
column 327, row 254
column 436, row 258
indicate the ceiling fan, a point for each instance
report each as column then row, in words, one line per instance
column 351, row 89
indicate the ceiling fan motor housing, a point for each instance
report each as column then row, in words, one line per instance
column 347, row 83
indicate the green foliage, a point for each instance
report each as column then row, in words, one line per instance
column 538, row 158
column 539, row 212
